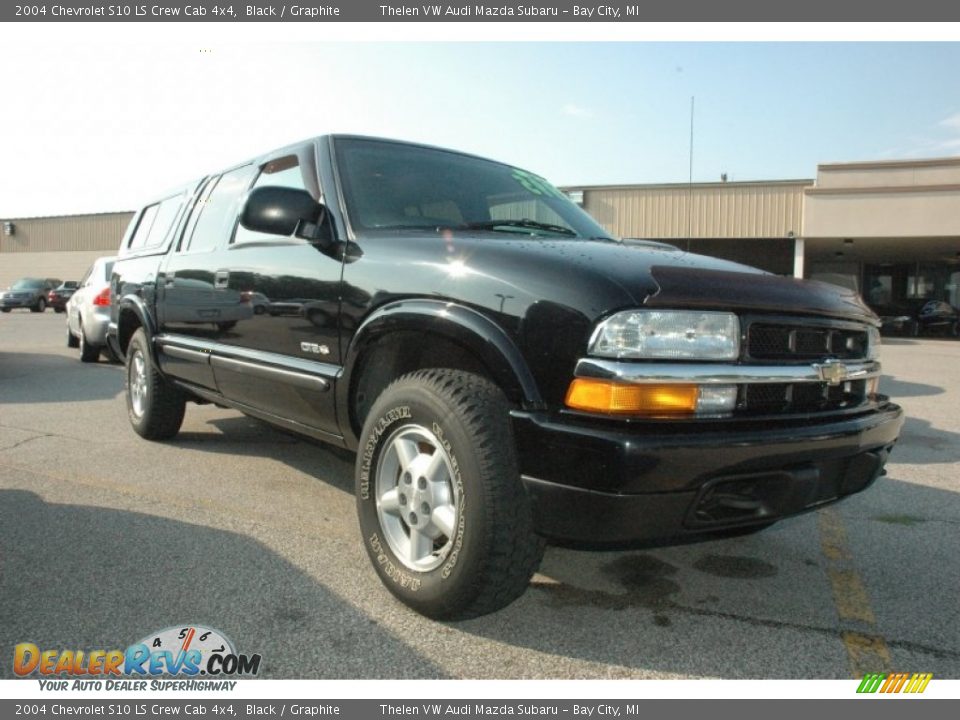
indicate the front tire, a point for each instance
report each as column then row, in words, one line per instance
column 444, row 517
column 154, row 405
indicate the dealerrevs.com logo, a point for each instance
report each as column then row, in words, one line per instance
column 181, row 655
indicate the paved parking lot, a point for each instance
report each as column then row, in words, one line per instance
column 105, row 537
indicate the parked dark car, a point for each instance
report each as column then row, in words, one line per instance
column 57, row 298
column 506, row 371
column 27, row 293
column 919, row 317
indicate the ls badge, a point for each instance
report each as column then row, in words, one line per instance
column 314, row 348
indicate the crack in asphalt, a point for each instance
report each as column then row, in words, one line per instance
column 25, row 441
column 40, row 434
column 941, row 653
column 563, row 594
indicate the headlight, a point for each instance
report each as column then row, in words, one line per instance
column 668, row 335
column 873, row 343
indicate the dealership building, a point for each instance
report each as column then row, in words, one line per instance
column 57, row 247
column 889, row 229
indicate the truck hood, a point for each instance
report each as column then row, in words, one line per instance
column 619, row 275
column 760, row 292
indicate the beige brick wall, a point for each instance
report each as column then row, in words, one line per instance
column 63, row 265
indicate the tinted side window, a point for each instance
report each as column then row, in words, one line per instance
column 139, row 238
column 218, row 209
column 166, row 215
column 286, row 176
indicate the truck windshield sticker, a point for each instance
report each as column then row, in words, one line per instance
column 535, row 184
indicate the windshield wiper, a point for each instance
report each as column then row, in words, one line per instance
column 525, row 223
column 436, row 227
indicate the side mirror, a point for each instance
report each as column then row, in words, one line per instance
column 281, row 211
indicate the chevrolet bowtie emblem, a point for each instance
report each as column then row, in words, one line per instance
column 832, row 372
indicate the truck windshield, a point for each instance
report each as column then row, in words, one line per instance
column 391, row 186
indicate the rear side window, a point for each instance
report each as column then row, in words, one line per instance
column 218, row 208
column 156, row 223
column 139, row 238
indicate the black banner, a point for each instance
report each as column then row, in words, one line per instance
column 495, row 11
column 470, row 709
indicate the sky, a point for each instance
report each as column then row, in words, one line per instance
column 100, row 127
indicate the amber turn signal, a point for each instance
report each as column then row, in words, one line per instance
column 604, row 396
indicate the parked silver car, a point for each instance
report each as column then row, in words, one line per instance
column 88, row 312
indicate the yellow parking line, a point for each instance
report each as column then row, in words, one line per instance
column 867, row 651
column 850, row 596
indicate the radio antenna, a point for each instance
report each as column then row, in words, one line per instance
column 690, row 181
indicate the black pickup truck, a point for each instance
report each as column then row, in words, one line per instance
column 506, row 372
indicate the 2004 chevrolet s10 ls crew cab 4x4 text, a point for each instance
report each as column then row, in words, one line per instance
column 506, row 372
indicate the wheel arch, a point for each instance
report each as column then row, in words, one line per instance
column 134, row 313
column 415, row 334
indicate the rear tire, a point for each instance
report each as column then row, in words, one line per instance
column 88, row 353
column 72, row 341
column 445, row 519
column 155, row 406
column 109, row 355
column 40, row 306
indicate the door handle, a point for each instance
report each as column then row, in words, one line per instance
column 221, row 279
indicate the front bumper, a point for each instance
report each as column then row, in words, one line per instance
column 608, row 482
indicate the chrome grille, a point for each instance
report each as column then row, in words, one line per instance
column 792, row 340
